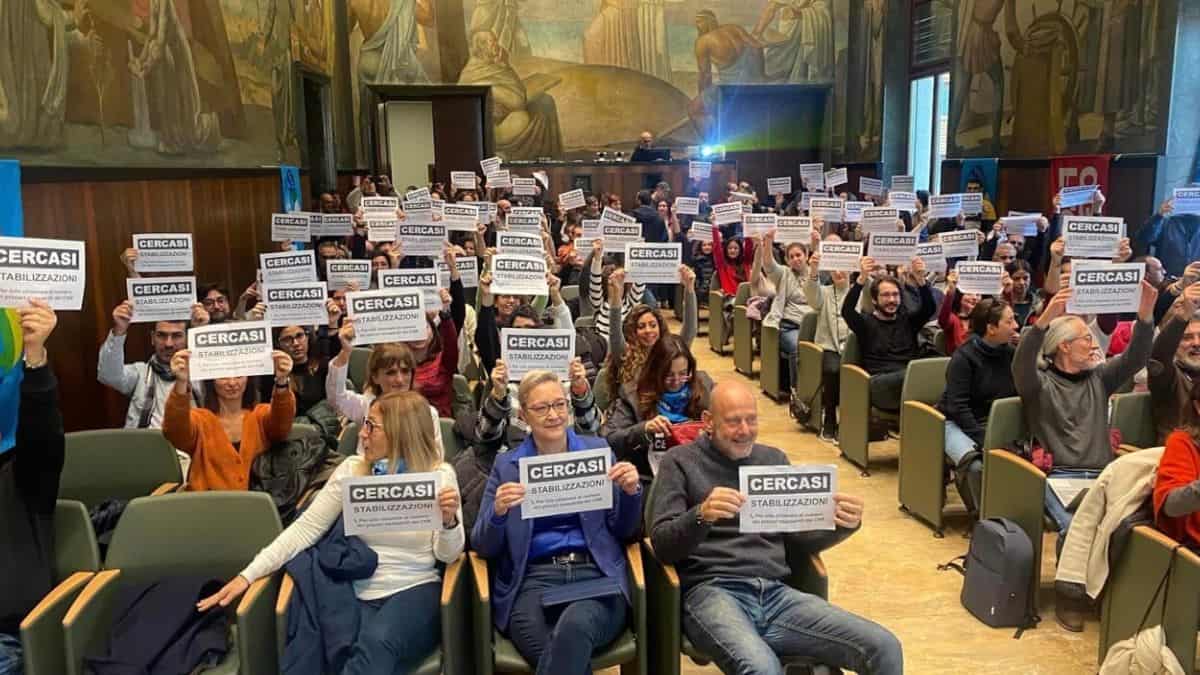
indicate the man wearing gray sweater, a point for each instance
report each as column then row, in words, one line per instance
column 736, row 606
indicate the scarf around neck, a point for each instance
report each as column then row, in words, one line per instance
column 673, row 404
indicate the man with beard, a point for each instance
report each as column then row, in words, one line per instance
column 736, row 605
column 1175, row 362
column 887, row 335
column 215, row 300
column 146, row 383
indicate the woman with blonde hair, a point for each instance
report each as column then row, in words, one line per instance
column 396, row 437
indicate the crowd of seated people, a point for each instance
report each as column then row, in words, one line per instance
column 671, row 428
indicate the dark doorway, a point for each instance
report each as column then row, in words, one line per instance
column 461, row 123
column 314, row 130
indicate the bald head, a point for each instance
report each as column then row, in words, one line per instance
column 732, row 422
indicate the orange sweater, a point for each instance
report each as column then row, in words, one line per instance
column 216, row 464
column 1179, row 466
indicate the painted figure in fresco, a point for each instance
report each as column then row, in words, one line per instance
column 165, row 65
column 309, row 33
column 978, row 54
column 34, row 69
column 736, row 55
column 872, row 50
column 1125, row 93
column 500, row 18
column 629, row 34
column 524, row 116
column 802, row 50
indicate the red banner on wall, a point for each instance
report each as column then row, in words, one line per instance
column 1078, row 170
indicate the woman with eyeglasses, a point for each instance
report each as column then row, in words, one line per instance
column 400, row 602
column 531, row 558
column 670, row 392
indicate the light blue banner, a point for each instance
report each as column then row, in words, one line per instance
column 289, row 181
column 12, row 218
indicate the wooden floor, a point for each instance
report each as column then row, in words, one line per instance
column 888, row 573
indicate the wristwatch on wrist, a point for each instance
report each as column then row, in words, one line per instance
column 32, row 364
column 282, row 385
column 700, row 516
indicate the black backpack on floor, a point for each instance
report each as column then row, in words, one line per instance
column 997, row 572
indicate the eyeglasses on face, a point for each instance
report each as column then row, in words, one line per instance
column 543, row 409
column 371, row 425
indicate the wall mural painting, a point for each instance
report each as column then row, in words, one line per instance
column 1109, row 67
column 145, row 82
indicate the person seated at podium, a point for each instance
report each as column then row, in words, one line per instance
column 646, row 150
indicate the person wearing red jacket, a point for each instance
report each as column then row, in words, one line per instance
column 1177, row 484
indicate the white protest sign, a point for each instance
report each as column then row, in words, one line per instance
column 461, row 217
column 163, row 253
column 487, row 211
column 518, row 275
column 402, row 502
column 840, row 256
column 744, row 197
column 980, row 277
column 758, row 223
column 972, row 203
column 805, row 199
column 380, row 208
column 490, row 165
column 1105, row 287
column 421, row 239
column 903, row 200
column 892, row 248
column 747, row 207
column 870, row 186
column 289, row 227
column 436, row 206
column 903, row 183
column 959, row 244
column 524, row 187
column 415, row 211
column 786, row 498
column 382, row 230
column 879, row 219
column 527, row 349
column 779, row 186
column 935, row 259
column 700, row 231
column 1078, row 195
column 393, row 315
column 572, row 199
column 339, row 274
column 836, row 177
column 299, row 304
column 527, row 211
column 287, row 267
column 230, row 349
column 591, row 229
column 793, row 229
column 687, row 206
column 1186, row 201
column 699, row 170
column 609, row 215
column 726, row 213
column 462, row 180
column 519, row 242
column 1024, row 223
column 331, row 224
column 944, row 206
column 161, row 298
column 420, row 194
column 653, row 263
column 566, row 482
column 424, row 279
column 499, row 178
column 854, row 210
column 1092, row 236
column 468, row 272
column 812, row 176
column 523, row 222
column 616, row 235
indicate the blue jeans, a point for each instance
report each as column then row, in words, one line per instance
column 398, row 632
column 1055, row 508
column 747, row 625
column 789, row 338
column 560, row 640
column 11, row 660
column 958, row 444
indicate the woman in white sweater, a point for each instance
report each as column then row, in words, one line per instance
column 396, row 438
column 390, row 368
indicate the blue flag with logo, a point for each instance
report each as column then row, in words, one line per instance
column 983, row 170
column 12, row 367
column 289, row 180
column 12, row 219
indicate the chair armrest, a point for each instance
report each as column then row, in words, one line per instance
column 282, row 603
column 41, row 629
column 456, row 623
column 85, row 626
column 166, row 489
column 257, row 629
column 481, row 613
column 663, row 609
column 637, row 589
column 1125, row 449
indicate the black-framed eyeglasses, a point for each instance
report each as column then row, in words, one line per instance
column 371, row 425
column 543, row 409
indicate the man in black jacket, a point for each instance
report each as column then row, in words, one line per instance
column 29, row 474
column 654, row 230
column 887, row 336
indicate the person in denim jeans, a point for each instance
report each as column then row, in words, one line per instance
column 737, row 607
column 533, row 556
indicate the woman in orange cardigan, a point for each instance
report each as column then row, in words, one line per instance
column 224, row 437
column 1177, row 484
